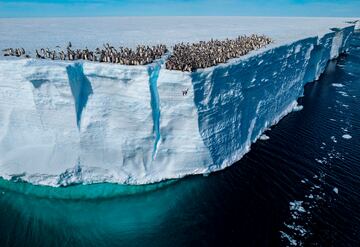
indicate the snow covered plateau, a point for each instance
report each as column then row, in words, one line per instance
column 82, row 122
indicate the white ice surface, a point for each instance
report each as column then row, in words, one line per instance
column 130, row 31
column 84, row 122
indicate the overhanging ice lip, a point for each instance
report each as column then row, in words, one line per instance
column 65, row 123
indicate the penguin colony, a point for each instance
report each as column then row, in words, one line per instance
column 17, row 52
column 189, row 57
column 108, row 54
column 185, row 57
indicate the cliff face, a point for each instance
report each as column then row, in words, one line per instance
column 64, row 123
column 236, row 103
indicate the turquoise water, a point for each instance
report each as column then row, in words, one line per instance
column 86, row 215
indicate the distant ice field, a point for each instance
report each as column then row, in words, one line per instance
column 34, row 33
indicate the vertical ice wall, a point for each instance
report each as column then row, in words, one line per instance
column 236, row 102
column 38, row 121
column 63, row 122
column 117, row 129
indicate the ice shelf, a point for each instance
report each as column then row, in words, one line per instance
column 81, row 122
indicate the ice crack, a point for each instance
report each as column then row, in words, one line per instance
column 153, row 71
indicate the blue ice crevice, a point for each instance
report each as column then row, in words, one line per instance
column 38, row 82
column 80, row 88
column 153, row 71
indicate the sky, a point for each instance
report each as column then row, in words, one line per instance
column 57, row 8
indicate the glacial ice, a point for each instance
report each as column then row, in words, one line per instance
column 337, row 85
column 264, row 137
column 81, row 122
column 346, row 136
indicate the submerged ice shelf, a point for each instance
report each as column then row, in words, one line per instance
column 63, row 123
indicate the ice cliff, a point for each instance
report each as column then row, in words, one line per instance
column 63, row 123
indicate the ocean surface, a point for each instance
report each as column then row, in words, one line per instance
column 300, row 186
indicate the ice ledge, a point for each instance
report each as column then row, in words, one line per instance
column 64, row 123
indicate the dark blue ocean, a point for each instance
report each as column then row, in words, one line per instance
column 299, row 188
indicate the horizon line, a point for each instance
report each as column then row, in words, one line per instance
column 117, row 16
